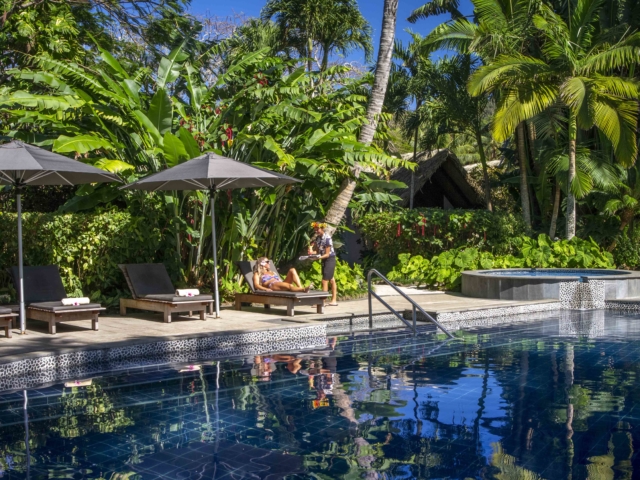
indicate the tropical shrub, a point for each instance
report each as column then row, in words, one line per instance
column 349, row 279
column 627, row 250
column 88, row 248
column 444, row 271
column 429, row 231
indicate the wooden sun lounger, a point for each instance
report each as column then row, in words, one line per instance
column 153, row 291
column 6, row 320
column 286, row 299
column 43, row 292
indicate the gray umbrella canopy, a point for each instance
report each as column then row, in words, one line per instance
column 22, row 165
column 211, row 172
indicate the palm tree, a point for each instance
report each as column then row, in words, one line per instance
column 330, row 25
column 457, row 111
column 578, row 70
column 416, row 69
column 502, row 27
column 336, row 211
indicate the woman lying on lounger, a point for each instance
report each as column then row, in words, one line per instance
column 266, row 280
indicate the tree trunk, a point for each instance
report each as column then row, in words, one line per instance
column 310, row 54
column 336, row 211
column 571, row 199
column 325, row 58
column 524, row 182
column 625, row 219
column 554, row 214
column 485, row 171
column 339, row 206
column 412, row 191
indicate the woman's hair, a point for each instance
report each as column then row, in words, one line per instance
column 321, row 225
column 257, row 268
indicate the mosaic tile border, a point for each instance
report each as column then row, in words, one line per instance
column 622, row 305
column 582, row 295
column 44, row 377
column 72, row 364
column 462, row 317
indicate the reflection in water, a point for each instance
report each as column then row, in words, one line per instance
column 552, row 399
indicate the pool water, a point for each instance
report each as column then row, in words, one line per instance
column 557, row 398
column 549, row 272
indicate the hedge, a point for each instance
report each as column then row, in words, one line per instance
column 429, row 231
column 87, row 248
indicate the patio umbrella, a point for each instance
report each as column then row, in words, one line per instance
column 211, row 172
column 22, row 165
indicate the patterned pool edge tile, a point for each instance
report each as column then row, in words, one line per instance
column 582, row 295
column 174, row 350
column 624, row 306
column 461, row 317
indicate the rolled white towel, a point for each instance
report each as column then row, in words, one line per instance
column 67, row 302
column 187, row 292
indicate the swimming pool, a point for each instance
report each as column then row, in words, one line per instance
column 544, row 283
column 553, row 272
column 546, row 399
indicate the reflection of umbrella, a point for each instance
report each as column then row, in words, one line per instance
column 22, row 165
column 211, row 172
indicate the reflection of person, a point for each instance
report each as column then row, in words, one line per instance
column 266, row 280
column 293, row 364
column 323, row 246
column 262, row 367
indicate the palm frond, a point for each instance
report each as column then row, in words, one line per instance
column 456, row 35
column 436, row 7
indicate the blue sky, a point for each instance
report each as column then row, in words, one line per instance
column 371, row 9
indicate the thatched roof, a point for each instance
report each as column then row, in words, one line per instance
column 439, row 174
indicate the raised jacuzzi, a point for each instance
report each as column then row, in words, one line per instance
column 544, row 283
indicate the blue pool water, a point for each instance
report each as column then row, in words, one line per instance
column 533, row 272
column 557, row 398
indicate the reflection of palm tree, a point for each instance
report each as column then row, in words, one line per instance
column 569, row 366
column 507, row 466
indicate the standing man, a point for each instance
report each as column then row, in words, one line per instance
column 323, row 246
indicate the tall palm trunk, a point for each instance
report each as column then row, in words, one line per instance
column 412, row 191
column 571, row 199
column 554, row 214
column 524, row 182
column 485, row 171
column 336, row 211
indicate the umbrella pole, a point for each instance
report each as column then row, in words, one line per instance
column 20, row 269
column 212, row 194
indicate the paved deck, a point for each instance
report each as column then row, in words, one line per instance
column 137, row 328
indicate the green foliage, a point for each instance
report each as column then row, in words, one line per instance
column 428, row 231
column 627, row 250
column 444, row 271
column 349, row 279
column 88, row 248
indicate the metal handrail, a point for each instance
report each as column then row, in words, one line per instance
column 392, row 310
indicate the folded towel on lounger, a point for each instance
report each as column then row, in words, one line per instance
column 67, row 302
column 187, row 292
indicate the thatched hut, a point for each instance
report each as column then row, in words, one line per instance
column 440, row 181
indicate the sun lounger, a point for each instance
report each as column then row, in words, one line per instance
column 6, row 320
column 287, row 299
column 153, row 291
column 43, row 294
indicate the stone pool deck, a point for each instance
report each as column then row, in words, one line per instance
column 251, row 325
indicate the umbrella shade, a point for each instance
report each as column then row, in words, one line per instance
column 211, row 171
column 23, row 164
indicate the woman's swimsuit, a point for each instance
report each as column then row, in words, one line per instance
column 266, row 279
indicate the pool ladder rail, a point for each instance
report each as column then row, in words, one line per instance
column 415, row 306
